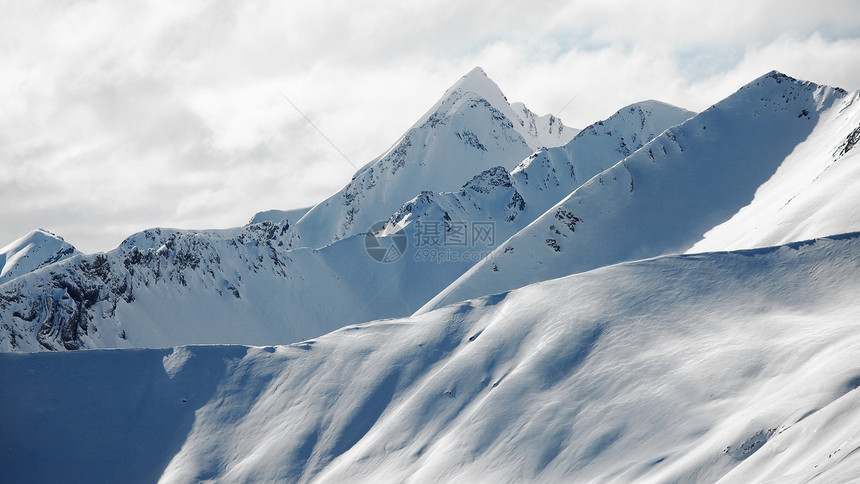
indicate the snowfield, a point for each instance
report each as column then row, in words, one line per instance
column 731, row 367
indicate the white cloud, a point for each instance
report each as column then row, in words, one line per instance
column 117, row 117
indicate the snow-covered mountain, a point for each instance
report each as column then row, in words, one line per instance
column 163, row 287
column 565, row 354
column 250, row 285
column 258, row 284
column 512, row 200
column 717, row 367
column 472, row 128
column 664, row 197
column 33, row 251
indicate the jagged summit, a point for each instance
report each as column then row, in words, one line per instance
column 475, row 85
column 470, row 129
column 477, row 81
column 776, row 91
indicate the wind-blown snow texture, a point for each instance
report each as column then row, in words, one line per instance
column 663, row 198
column 729, row 367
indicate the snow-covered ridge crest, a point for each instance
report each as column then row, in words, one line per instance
column 511, row 200
column 815, row 191
column 666, row 195
column 537, row 131
column 470, row 129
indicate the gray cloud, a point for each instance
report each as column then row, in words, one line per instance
column 117, row 117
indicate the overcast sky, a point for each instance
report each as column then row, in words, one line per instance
column 119, row 116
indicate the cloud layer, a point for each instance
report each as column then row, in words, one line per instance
column 118, row 117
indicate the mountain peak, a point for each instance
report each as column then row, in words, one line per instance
column 476, row 71
column 475, row 84
column 777, row 77
column 32, row 251
column 477, row 81
column 37, row 236
column 775, row 74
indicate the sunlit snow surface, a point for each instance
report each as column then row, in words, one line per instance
column 756, row 169
column 739, row 366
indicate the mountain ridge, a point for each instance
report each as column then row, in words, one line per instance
column 663, row 197
column 258, row 284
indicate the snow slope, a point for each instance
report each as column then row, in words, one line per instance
column 551, row 174
column 513, row 200
column 716, row 367
column 470, row 129
column 663, row 198
column 35, row 250
column 814, row 192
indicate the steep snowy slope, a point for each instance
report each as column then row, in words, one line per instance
column 37, row 249
column 815, row 191
column 664, row 197
column 738, row 366
column 513, row 200
column 470, row 129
